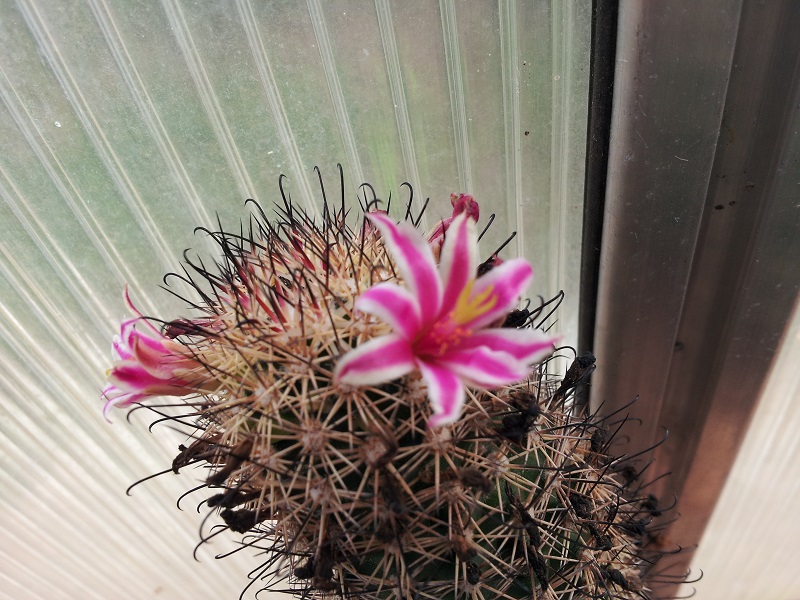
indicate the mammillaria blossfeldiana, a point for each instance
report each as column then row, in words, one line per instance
column 441, row 320
column 368, row 407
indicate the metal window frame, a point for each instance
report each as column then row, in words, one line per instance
column 697, row 270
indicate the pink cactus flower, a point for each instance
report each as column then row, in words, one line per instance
column 461, row 203
column 147, row 364
column 441, row 320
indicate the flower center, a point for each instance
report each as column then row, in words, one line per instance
column 447, row 334
column 443, row 336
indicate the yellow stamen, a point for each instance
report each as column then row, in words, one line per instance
column 469, row 308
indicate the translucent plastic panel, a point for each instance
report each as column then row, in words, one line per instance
column 126, row 125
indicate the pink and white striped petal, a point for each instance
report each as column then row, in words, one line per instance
column 117, row 398
column 127, row 332
column 484, row 367
column 459, row 258
column 120, row 350
column 414, row 260
column 526, row 345
column 393, row 305
column 445, row 392
column 159, row 355
column 160, row 359
column 507, row 282
column 381, row 359
column 132, row 377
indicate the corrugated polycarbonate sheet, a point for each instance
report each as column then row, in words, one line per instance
column 126, row 125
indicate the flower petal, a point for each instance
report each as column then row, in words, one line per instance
column 458, row 259
column 132, row 377
column 382, row 359
column 415, row 262
column 158, row 359
column 394, row 305
column 445, row 392
column 465, row 203
column 484, row 367
column 461, row 203
column 129, row 303
column 507, row 282
column 436, row 236
column 120, row 350
column 128, row 333
column 117, row 398
column 159, row 355
column 526, row 345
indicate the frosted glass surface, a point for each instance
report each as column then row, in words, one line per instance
column 125, row 125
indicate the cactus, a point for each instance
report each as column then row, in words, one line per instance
column 348, row 487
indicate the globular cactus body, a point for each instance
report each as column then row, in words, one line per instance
column 349, row 489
